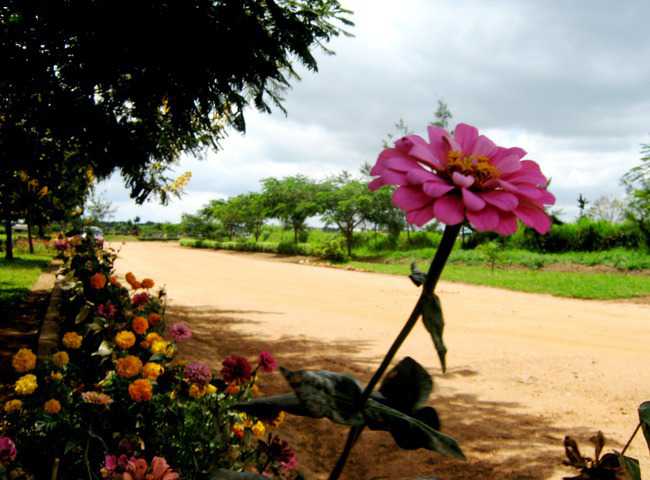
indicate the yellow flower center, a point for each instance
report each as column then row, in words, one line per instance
column 478, row 166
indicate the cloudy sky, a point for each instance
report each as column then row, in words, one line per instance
column 566, row 80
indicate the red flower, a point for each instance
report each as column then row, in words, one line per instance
column 267, row 363
column 236, row 369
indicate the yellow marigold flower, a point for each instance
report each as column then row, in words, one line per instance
column 56, row 376
column 159, row 347
column 125, row 339
column 279, row 420
column 149, row 339
column 72, row 340
column 98, row 281
column 13, row 406
column 52, row 406
column 196, row 391
column 152, row 370
column 128, row 366
column 258, row 429
column 61, row 359
column 26, row 385
column 24, row 360
column 210, row 389
column 141, row 390
column 140, row 325
column 147, row 283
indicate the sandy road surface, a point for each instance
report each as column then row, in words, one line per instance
column 567, row 365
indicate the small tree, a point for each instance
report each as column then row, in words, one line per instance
column 292, row 200
column 254, row 212
column 582, row 205
column 346, row 203
column 610, row 209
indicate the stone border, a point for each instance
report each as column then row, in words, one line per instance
column 48, row 336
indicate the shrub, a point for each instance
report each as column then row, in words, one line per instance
column 333, row 250
column 114, row 390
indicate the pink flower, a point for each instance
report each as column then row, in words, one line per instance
column 140, row 299
column 197, row 372
column 464, row 177
column 279, row 450
column 267, row 363
column 236, row 369
column 161, row 470
column 136, row 469
column 107, row 311
column 7, row 450
column 180, row 331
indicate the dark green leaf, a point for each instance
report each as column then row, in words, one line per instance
column 407, row 385
column 644, row 417
column 327, row 394
column 83, row 314
column 434, row 322
column 630, row 467
column 104, row 350
column 414, row 433
column 416, row 276
column 411, row 437
column 222, row 474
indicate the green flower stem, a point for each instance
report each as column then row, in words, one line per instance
column 433, row 275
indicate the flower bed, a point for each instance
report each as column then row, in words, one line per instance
column 116, row 402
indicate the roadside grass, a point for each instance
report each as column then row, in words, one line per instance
column 601, row 286
column 18, row 276
column 120, row 238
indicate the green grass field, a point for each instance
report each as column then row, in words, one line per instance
column 18, row 276
column 603, row 286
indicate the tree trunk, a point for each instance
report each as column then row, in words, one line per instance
column 30, row 240
column 9, row 242
column 348, row 239
column 41, row 231
column 295, row 234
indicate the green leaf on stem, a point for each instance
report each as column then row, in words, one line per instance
column 83, row 314
column 270, row 407
column 630, row 467
column 434, row 322
column 410, row 432
column 407, row 385
column 327, row 394
column 417, row 276
column 644, row 417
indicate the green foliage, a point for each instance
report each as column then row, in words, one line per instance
column 136, row 100
column 492, row 253
column 434, row 322
column 18, row 276
column 333, row 250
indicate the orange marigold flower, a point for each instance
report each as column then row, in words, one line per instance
column 128, row 366
column 140, row 325
column 52, row 406
column 147, row 283
column 60, row 359
column 238, row 430
column 56, row 376
column 141, row 390
column 98, row 281
column 152, row 370
column 115, row 282
column 13, row 406
column 24, row 360
column 72, row 340
column 232, row 389
column 197, row 391
column 125, row 339
column 154, row 319
column 130, row 279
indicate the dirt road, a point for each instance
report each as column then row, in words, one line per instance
column 523, row 369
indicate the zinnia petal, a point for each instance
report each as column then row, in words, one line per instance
column 502, row 200
column 436, row 189
column 484, row 146
column 421, row 216
column 449, row 209
column 439, row 142
column 466, row 135
column 472, row 201
column 376, row 184
column 485, row 220
column 419, row 175
column 410, row 198
column 507, row 224
column 534, row 217
column 462, row 180
column 424, row 153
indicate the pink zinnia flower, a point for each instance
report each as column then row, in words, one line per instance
column 7, row 450
column 180, row 331
column 197, row 372
column 267, row 363
column 464, row 177
column 140, row 299
column 236, row 369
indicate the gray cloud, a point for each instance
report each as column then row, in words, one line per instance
column 565, row 80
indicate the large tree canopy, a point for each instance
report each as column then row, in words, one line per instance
column 131, row 85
